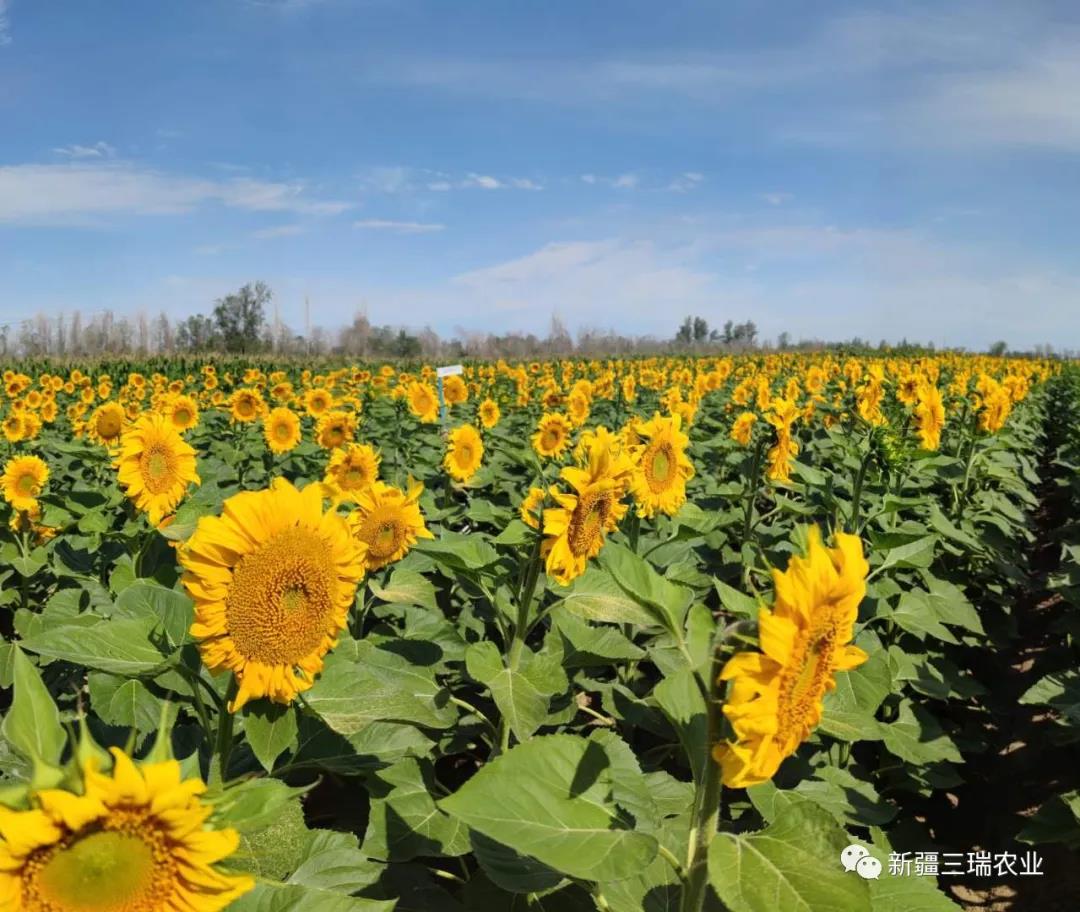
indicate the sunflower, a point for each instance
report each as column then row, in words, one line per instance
column 183, row 411
column 351, row 471
column 107, row 423
column 387, row 521
column 317, row 401
column 489, row 413
column 455, row 392
column 552, row 435
column 930, row 415
column 135, row 840
column 743, row 428
column 246, row 405
column 22, row 481
column 14, row 427
column 577, row 407
column 662, row 470
column 575, row 529
column 335, row 429
column 155, row 465
column 273, row 579
column 532, row 507
column 775, row 696
column 281, row 429
column 465, row 453
column 423, row 402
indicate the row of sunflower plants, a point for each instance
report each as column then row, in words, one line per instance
column 612, row 635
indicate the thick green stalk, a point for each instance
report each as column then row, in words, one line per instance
column 219, row 769
column 706, row 803
column 856, row 494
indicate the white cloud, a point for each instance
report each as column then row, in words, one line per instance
column 687, row 181
column 277, row 231
column 84, row 191
column 399, row 227
column 97, row 150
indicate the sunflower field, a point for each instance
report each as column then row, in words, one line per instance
column 666, row 634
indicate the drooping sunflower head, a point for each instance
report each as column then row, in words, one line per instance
column 155, row 465
column 281, row 429
column 574, row 530
column 552, row 435
column 22, row 482
column 489, row 413
column 134, row 840
column 273, row 579
column 662, row 467
column 465, row 453
column 387, row 521
column 423, row 402
column 743, row 428
column 183, row 410
column 775, row 696
column 107, row 423
column 335, row 429
column 351, row 471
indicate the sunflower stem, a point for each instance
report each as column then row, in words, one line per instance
column 219, row 769
column 707, row 797
column 856, row 494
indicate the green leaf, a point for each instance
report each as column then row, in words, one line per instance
column 124, row 701
column 459, row 552
column 270, row 729
column 1058, row 820
column 793, row 865
column 551, row 798
column 736, row 602
column 846, row 797
column 915, row 613
column 682, row 702
column 173, row 610
column 404, row 822
column 32, row 725
column 123, row 646
column 333, row 862
column 667, row 602
column 916, row 736
column 584, row 645
column 406, row 587
column 271, row 897
column 522, row 696
column 596, row 596
column 918, row 553
column 362, row 684
column 849, row 710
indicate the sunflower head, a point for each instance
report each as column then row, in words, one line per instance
column 246, row 405
column 107, row 423
column 662, row 467
column 574, row 530
column 273, row 579
column 133, row 840
column 489, row 413
column 423, row 402
column 552, row 435
column 351, row 471
column 387, row 522
column 184, row 412
column 532, row 507
column 22, row 482
column 743, row 428
column 155, row 465
column 281, row 429
column 775, row 696
column 335, row 429
column 465, row 453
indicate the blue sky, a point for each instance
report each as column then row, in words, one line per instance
column 828, row 169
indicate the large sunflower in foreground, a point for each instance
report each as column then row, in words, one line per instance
column 662, row 470
column 134, row 841
column 775, row 697
column 351, row 471
column 155, row 465
column 22, row 481
column 387, row 521
column 273, row 579
column 574, row 530
column 465, row 453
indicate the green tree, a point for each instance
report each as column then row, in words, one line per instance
column 239, row 318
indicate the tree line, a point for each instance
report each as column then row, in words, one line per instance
column 238, row 323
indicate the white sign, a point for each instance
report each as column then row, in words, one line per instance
column 449, row 371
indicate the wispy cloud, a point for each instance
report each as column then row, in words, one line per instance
column 403, row 179
column 777, row 199
column 5, row 26
column 628, row 181
column 278, row 231
column 687, row 181
column 399, row 227
column 85, row 191
column 97, row 150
